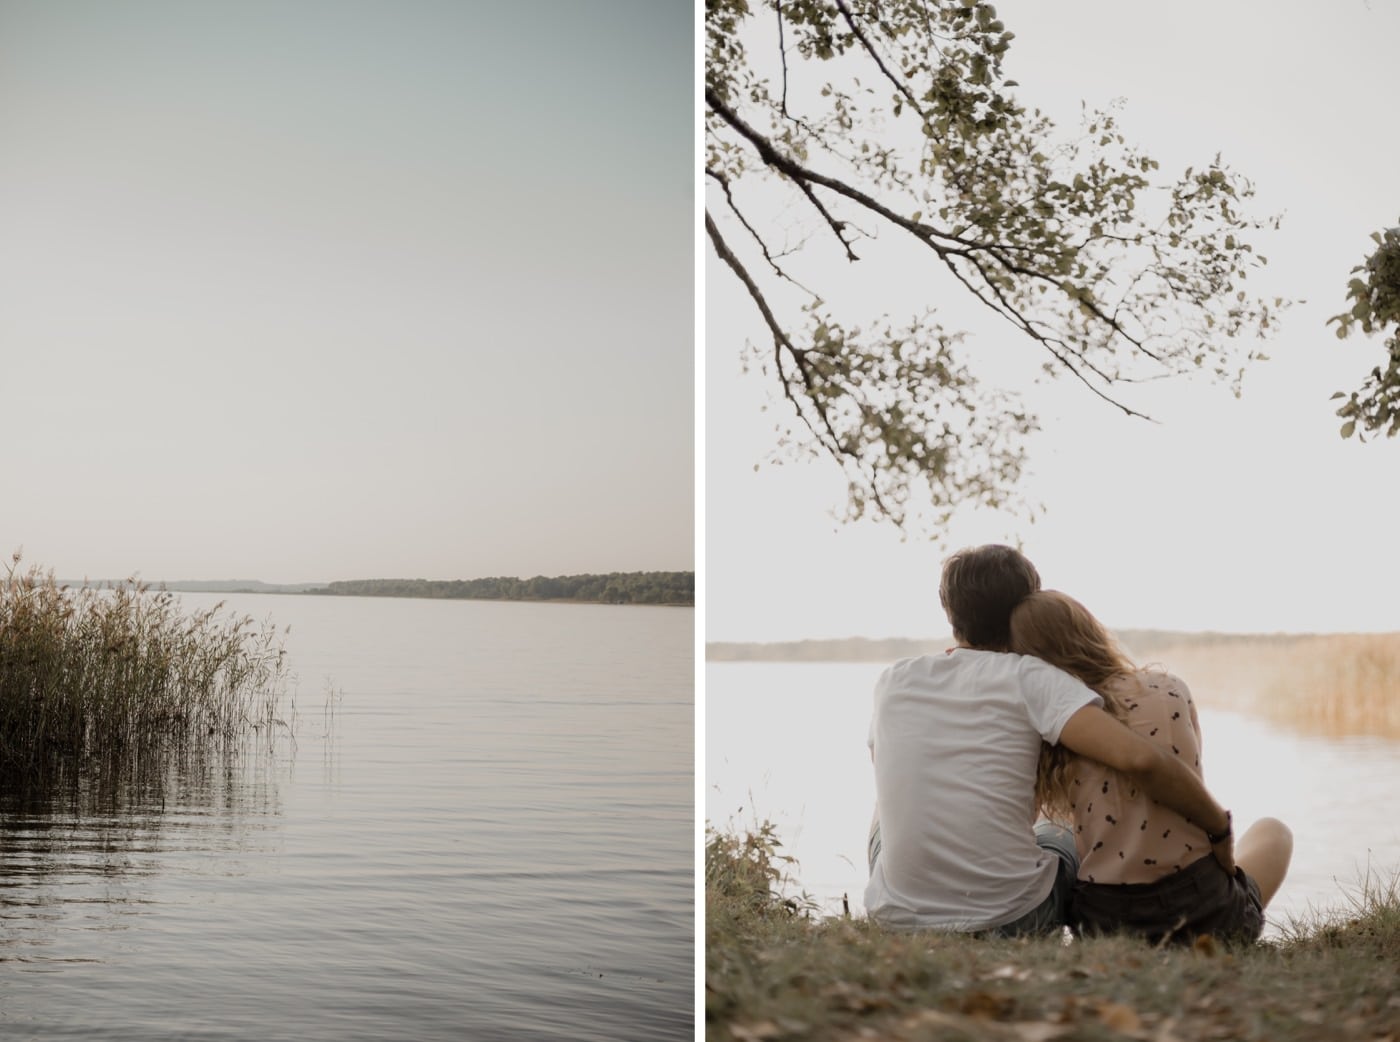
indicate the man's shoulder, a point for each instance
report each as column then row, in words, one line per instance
column 1031, row 664
column 916, row 671
column 1030, row 667
column 1041, row 681
column 956, row 666
column 933, row 664
column 916, row 664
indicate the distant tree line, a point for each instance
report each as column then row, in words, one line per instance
column 612, row 588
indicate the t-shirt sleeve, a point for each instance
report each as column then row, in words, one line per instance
column 1052, row 697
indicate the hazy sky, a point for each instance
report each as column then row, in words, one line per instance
column 330, row 288
column 1237, row 515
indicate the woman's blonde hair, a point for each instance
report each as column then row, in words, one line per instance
column 1056, row 628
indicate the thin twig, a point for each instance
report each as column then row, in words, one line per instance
column 876, row 57
column 781, row 341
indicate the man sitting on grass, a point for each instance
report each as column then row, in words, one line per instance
column 956, row 738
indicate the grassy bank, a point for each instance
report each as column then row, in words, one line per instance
column 776, row 971
column 96, row 674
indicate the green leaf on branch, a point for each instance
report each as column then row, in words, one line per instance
column 1070, row 236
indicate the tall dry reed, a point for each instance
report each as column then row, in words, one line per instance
column 125, row 671
column 1343, row 684
column 1334, row 684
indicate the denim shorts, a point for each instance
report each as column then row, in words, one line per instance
column 1200, row 899
column 1048, row 917
column 1051, row 915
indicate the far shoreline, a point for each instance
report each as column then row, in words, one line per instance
column 611, row 589
column 1139, row 643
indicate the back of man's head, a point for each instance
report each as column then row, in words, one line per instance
column 980, row 586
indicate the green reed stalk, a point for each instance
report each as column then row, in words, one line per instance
column 126, row 671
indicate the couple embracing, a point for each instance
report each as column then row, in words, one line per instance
column 1032, row 777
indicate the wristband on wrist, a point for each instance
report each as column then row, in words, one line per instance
column 1221, row 837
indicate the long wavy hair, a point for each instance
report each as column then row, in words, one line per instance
column 1056, row 628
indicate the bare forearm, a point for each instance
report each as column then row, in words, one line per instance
column 1093, row 733
column 1172, row 784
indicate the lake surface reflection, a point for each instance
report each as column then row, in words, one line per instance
column 482, row 828
column 786, row 742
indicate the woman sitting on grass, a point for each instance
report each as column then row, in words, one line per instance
column 1143, row 869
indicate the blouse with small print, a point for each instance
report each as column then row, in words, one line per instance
column 1122, row 835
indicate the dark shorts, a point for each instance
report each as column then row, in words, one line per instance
column 1200, row 899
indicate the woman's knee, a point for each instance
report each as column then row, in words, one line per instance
column 1274, row 832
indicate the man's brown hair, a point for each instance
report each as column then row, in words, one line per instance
column 980, row 586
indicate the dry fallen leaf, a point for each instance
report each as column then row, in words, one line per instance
column 1069, row 1009
column 1009, row 972
column 987, row 1005
column 1037, row 1031
column 843, row 995
column 1166, row 1032
column 1120, row 1018
column 759, row 1031
column 933, row 1018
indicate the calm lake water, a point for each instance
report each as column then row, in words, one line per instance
column 786, row 742
column 484, row 829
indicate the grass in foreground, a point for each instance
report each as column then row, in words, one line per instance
column 102, row 674
column 775, row 971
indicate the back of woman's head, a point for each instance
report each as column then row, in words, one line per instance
column 1058, row 629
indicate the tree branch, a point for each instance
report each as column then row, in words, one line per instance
column 782, row 57
column 876, row 57
column 781, row 340
column 799, row 175
column 723, row 182
column 804, row 177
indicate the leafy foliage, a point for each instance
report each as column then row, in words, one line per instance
column 1374, row 293
column 610, row 588
column 747, row 871
column 1118, row 275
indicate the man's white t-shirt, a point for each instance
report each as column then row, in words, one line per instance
column 956, row 738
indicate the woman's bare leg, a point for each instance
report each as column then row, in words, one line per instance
column 1264, row 852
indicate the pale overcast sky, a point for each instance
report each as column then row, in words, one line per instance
column 1243, row 516
column 336, row 288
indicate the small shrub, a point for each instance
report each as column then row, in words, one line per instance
column 746, row 872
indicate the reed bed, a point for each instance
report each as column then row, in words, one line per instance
column 123, row 672
column 1335, row 684
column 1339, row 685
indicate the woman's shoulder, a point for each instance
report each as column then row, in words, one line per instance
column 1148, row 690
column 1145, row 682
column 1165, row 684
